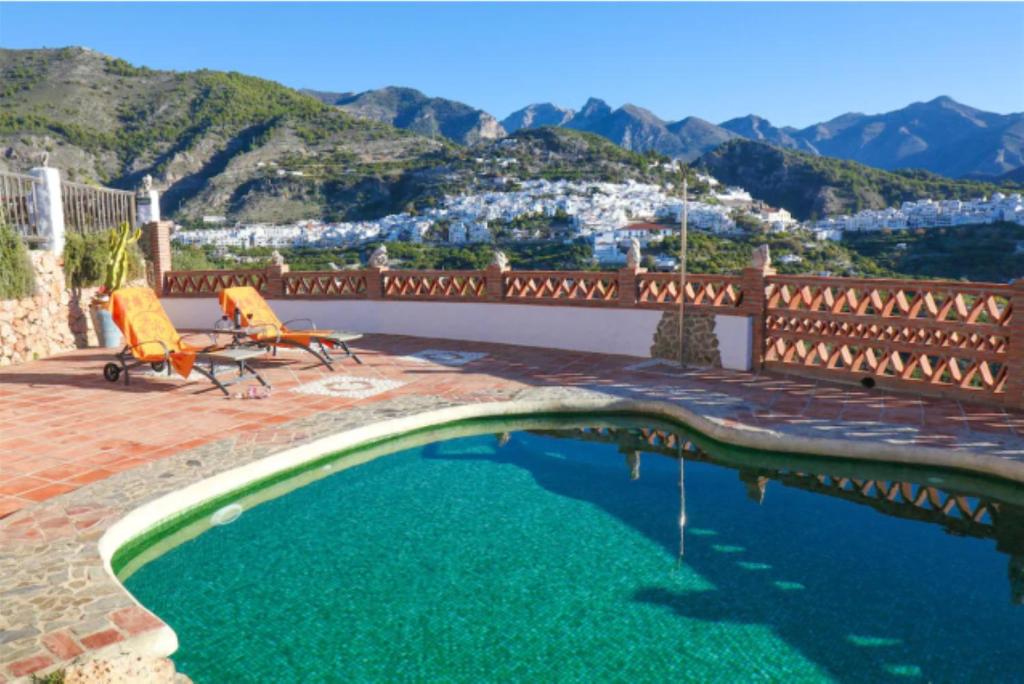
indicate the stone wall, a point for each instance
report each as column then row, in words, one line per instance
column 53, row 320
column 701, row 343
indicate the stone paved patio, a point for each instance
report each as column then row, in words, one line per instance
column 78, row 453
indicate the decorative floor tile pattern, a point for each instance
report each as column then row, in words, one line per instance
column 444, row 357
column 347, row 386
column 77, row 452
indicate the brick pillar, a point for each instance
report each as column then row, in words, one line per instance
column 753, row 283
column 275, row 271
column 375, row 282
column 627, row 285
column 495, row 278
column 1015, row 351
column 157, row 235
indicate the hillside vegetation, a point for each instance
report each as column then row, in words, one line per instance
column 216, row 142
column 253, row 150
column 993, row 254
column 812, row 187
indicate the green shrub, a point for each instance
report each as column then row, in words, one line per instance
column 85, row 259
column 191, row 258
column 17, row 277
column 55, row 677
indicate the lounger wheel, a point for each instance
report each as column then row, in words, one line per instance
column 111, row 372
column 157, row 366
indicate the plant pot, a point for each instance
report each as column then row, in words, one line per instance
column 107, row 333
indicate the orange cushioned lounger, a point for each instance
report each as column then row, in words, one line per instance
column 151, row 338
column 252, row 315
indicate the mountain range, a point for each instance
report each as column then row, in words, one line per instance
column 942, row 136
column 255, row 150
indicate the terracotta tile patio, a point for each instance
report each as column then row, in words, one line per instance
column 64, row 427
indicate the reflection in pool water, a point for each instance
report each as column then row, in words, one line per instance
column 598, row 553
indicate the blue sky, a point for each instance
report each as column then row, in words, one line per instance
column 795, row 64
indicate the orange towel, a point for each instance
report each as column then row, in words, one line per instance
column 145, row 325
column 304, row 337
column 254, row 311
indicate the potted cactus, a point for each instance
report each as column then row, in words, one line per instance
column 115, row 277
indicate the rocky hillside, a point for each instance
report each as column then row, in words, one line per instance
column 753, row 127
column 225, row 143
column 217, row 143
column 537, row 115
column 413, row 111
column 1016, row 177
column 810, row 186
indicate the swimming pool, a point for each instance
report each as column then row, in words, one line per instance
column 587, row 549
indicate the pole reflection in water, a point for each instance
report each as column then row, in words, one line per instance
column 883, row 487
column 633, row 461
column 682, row 506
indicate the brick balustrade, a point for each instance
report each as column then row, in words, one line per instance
column 623, row 288
column 943, row 338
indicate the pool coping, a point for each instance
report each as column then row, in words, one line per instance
column 141, row 520
column 130, row 519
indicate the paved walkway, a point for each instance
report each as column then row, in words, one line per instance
column 63, row 426
column 78, row 452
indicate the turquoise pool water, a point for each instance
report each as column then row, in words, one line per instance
column 535, row 557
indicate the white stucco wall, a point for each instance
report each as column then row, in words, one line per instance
column 593, row 329
column 605, row 330
column 735, row 341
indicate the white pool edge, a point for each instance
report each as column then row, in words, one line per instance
column 163, row 642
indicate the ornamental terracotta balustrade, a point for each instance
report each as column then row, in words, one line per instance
column 206, row 283
column 575, row 288
column 943, row 338
column 661, row 291
column 326, row 285
column 434, row 285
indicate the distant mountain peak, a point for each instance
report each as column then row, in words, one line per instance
column 595, row 107
column 640, row 130
column 412, row 110
column 537, row 115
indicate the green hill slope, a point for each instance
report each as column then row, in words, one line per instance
column 254, row 150
column 217, row 142
column 810, row 186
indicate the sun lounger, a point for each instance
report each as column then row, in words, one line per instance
column 253, row 319
column 151, row 339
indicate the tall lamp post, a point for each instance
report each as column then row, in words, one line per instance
column 682, row 272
